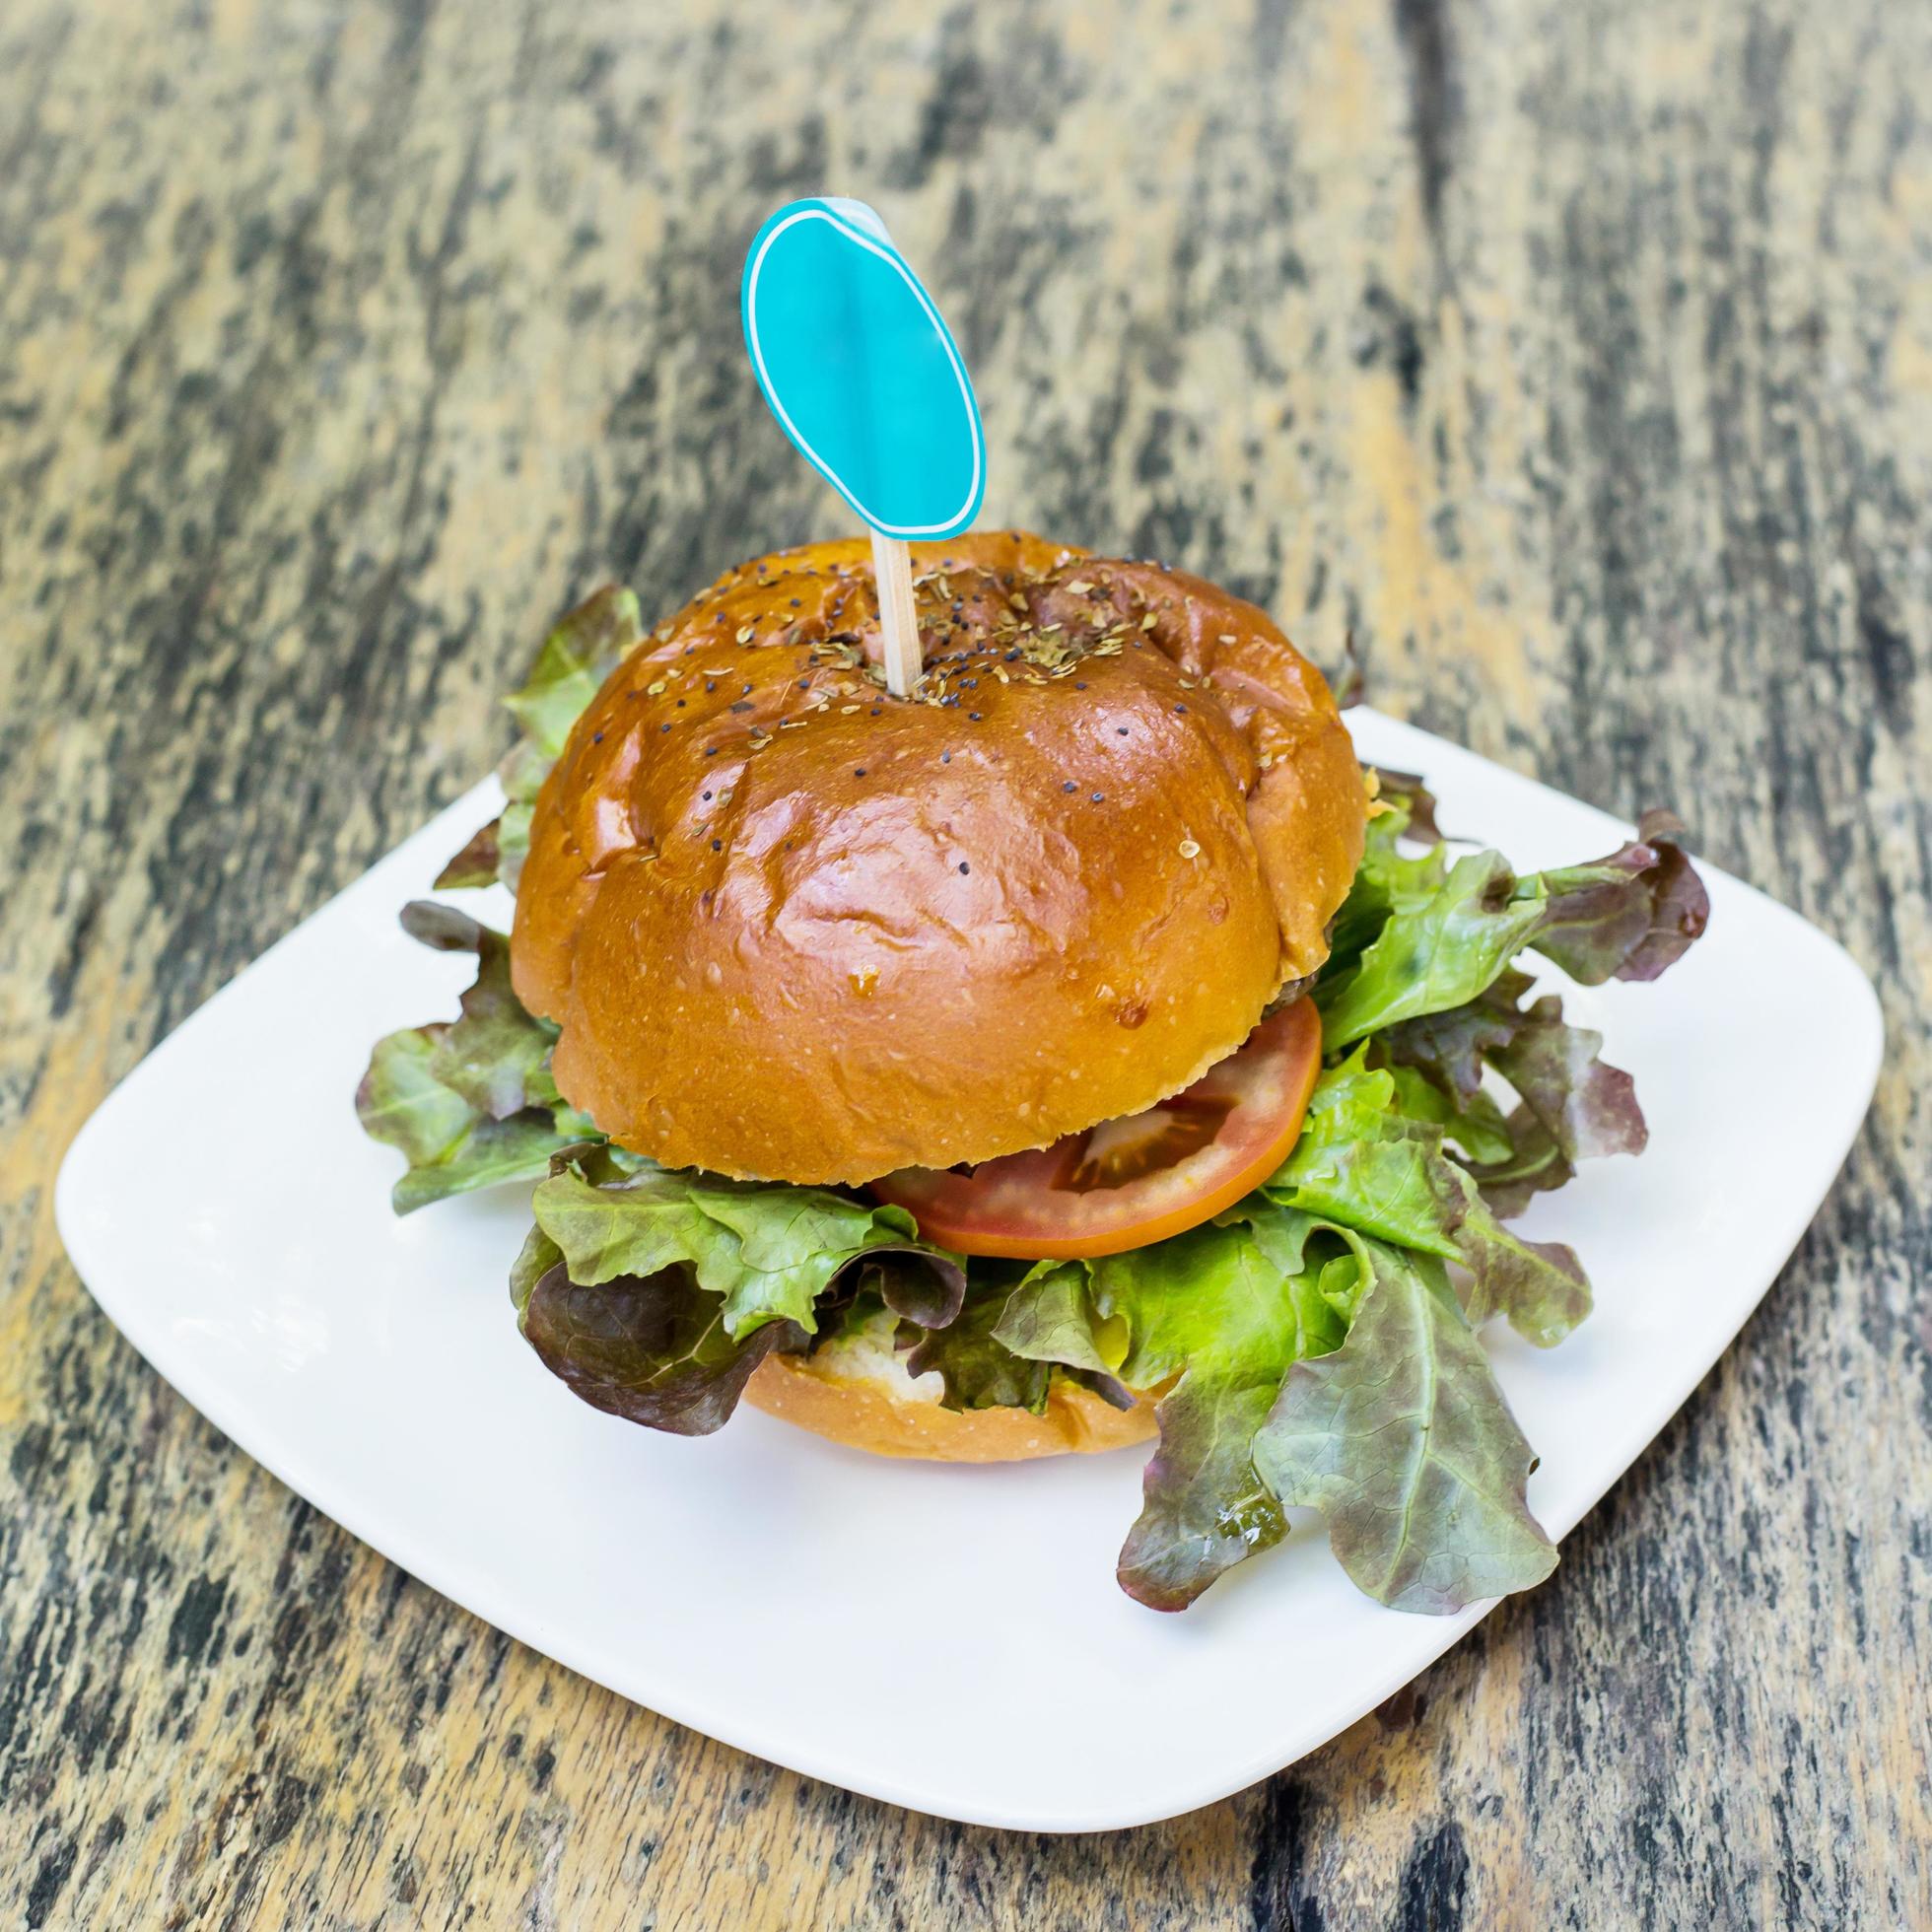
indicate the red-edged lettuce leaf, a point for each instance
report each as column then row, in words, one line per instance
column 653, row 1349
column 479, row 864
column 497, row 1056
column 1572, row 1105
column 1404, row 1442
column 979, row 1369
column 1628, row 915
column 1588, row 1108
column 468, row 1102
column 654, row 1295
column 1407, row 793
column 1533, row 1164
column 1450, row 1047
column 768, row 1251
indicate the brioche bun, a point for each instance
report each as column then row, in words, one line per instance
column 873, row 1403
column 795, row 928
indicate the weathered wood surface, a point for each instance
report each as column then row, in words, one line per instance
column 1576, row 353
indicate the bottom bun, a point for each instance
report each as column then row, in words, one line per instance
column 866, row 1400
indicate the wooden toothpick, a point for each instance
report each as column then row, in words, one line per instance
column 863, row 376
column 892, row 567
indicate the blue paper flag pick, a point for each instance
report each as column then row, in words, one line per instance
column 861, row 371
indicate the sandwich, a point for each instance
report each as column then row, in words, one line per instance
column 1083, row 1050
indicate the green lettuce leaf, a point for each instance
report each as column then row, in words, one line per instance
column 1404, row 1442
column 766, row 1249
column 402, row 1102
column 469, row 1102
column 1388, row 880
column 1048, row 1315
column 1476, row 1125
column 1214, row 1314
column 586, row 646
column 1366, row 1166
column 1436, row 955
column 522, row 773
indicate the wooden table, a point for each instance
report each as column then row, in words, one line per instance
column 1577, row 354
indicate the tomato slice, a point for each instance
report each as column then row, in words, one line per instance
column 1126, row 1183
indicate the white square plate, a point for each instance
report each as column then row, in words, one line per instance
column 795, row 1599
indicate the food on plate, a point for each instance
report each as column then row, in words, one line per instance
column 1083, row 1048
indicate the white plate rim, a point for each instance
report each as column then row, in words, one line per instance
column 319, row 1484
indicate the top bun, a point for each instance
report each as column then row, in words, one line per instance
column 795, row 928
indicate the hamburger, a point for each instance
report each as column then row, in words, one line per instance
column 1083, row 1047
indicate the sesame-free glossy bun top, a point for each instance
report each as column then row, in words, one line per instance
column 796, row 928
